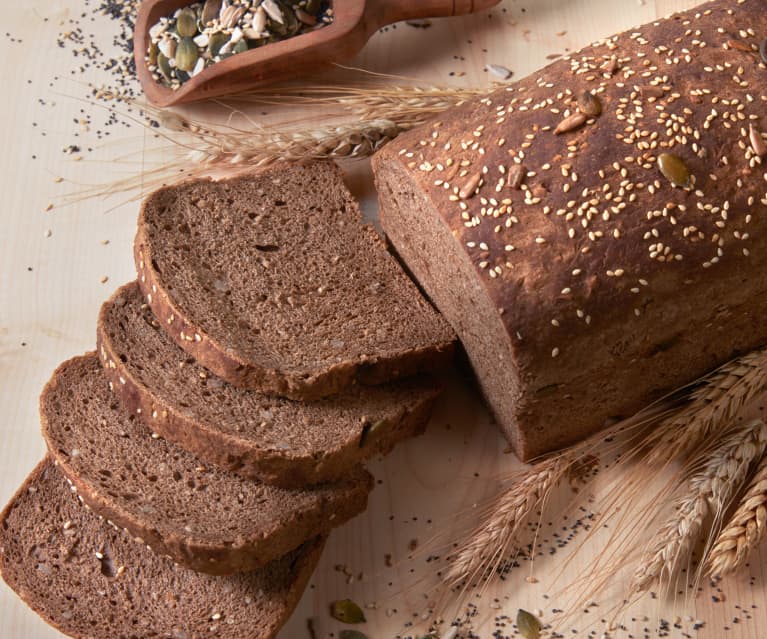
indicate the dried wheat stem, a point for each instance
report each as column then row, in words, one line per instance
column 709, row 491
column 259, row 146
column 497, row 531
column 745, row 530
column 713, row 404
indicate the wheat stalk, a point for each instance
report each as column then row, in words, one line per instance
column 745, row 530
column 709, row 491
column 199, row 150
column 497, row 533
column 381, row 111
column 722, row 395
column 408, row 104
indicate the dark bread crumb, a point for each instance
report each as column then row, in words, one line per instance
column 204, row 518
column 92, row 581
column 276, row 440
column 272, row 282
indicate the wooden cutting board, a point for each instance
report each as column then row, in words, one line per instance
column 58, row 266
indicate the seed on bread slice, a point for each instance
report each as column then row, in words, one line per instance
column 272, row 281
column 202, row 517
column 277, row 440
column 92, row 581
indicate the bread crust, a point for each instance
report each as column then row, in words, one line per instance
column 611, row 286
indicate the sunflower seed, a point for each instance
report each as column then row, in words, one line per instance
column 210, row 11
column 757, row 141
column 763, row 50
column 351, row 634
column 202, row 40
column 252, row 34
column 570, row 123
column 273, row 11
column 226, row 13
column 589, row 104
column 313, row 7
column 231, row 15
column 675, row 170
column 259, row 20
column 499, row 71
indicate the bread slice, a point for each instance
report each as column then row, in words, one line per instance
column 92, row 581
column 277, row 440
column 271, row 281
column 202, row 517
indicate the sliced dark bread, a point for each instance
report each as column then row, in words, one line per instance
column 277, row 440
column 271, row 281
column 202, row 517
column 92, row 581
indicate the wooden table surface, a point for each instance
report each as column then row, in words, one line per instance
column 58, row 266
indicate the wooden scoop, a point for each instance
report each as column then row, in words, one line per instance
column 353, row 23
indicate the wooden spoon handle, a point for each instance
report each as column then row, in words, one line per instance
column 389, row 11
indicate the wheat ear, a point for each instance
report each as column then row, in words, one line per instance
column 496, row 535
column 407, row 104
column 199, row 150
column 745, row 530
column 710, row 490
column 259, row 146
column 721, row 396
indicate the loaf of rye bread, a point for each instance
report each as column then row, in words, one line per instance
column 595, row 250
column 91, row 581
column 271, row 281
column 203, row 518
column 276, row 440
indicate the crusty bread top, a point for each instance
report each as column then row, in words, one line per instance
column 271, row 281
column 203, row 517
column 278, row 440
column 596, row 235
column 92, row 581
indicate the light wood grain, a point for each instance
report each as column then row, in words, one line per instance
column 427, row 487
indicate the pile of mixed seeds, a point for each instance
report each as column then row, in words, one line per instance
column 204, row 33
